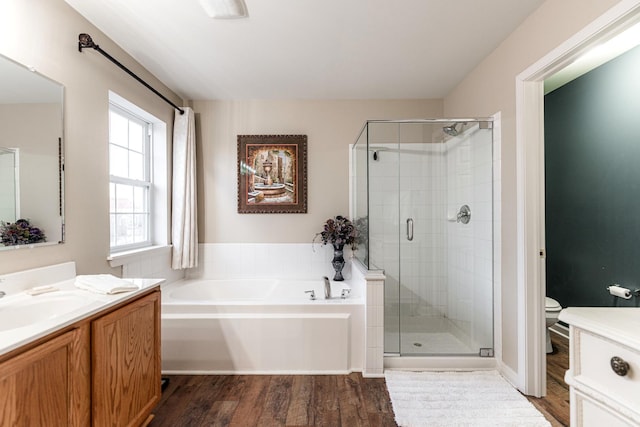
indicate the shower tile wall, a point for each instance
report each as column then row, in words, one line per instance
column 383, row 215
column 421, row 262
column 422, row 198
column 470, row 248
column 383, row 211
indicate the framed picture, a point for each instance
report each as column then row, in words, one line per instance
column 272, row 173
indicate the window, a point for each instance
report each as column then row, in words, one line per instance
column 130, row 180
column 139, row 184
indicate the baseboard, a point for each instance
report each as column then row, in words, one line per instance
column 508, row 374
column 367, row 375
column 561, row 330
column 243, row 372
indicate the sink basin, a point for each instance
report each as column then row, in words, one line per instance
column 22, row 312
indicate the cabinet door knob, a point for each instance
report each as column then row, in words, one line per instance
column 619, row 366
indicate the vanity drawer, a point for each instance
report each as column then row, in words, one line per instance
column 591, row 361
column 590, row 413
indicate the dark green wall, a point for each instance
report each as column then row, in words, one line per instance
column 592, row 173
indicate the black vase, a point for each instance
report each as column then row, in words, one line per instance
column 338, row 262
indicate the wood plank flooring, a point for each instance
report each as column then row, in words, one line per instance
column 313, row 400
column 274, row 400
column 555, row 405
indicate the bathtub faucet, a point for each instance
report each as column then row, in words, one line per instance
column 312, row 294
column 327, row 288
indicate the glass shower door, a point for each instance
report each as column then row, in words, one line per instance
column 422, row 239
column 446, row 239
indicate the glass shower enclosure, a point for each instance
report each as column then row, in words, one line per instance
column 422, row 200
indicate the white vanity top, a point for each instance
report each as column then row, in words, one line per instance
column 620, row 324
column 84, row 303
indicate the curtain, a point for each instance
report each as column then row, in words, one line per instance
column 184, row 221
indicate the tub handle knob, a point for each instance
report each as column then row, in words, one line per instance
column 312, row 294
column 345, row 293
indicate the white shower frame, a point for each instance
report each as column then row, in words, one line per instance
column 531, row 376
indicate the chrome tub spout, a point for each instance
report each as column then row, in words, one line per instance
column 327, row 288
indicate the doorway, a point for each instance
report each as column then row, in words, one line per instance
column 530, row 187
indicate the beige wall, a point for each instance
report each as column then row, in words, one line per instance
column 330, row 126
column 491, row 88
column 44, row 34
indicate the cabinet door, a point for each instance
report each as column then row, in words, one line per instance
column 126, row 363
column 49, row 384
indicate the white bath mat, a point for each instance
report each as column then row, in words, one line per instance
column 477, row 398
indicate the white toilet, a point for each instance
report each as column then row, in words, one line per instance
column 552, row 309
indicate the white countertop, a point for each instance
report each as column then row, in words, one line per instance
column 620, row 324
column 14, row 338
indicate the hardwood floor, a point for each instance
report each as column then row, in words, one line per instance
column 314, row 400
column 555, row 405
column 274, row 400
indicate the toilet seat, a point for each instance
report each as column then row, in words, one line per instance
column 552, row 305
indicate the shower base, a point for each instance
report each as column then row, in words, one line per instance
column 439, row 363
column 441, row 348
column 429, row 335
column 432, row 343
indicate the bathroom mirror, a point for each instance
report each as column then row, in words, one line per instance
column 31, row 158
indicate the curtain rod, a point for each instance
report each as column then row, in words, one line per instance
column 85, row 41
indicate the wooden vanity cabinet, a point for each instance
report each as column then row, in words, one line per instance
column 125, row 352
column 102, row 371
column 48, row 385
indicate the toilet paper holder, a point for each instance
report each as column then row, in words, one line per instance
column 621, row 292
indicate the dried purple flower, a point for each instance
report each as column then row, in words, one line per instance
column 20, row 233
column 338, row 231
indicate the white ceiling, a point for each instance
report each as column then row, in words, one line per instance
column 309, row 49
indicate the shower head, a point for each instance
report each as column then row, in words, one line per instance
column 451, row 129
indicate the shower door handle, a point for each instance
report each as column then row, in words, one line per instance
column 409, row 229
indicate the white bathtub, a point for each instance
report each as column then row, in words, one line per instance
column 261, row 326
